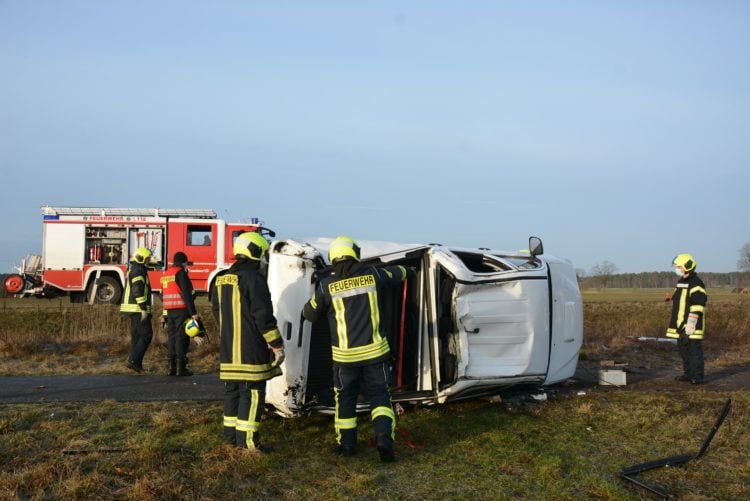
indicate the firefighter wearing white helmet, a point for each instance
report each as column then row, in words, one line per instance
column 349, row 297
column 687, row 323
column 252, row 349
column 137, row 305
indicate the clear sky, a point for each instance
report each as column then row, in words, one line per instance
column 615, row 130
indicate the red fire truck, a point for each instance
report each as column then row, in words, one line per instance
column 85, row 250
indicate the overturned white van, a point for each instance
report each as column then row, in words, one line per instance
column 472, row 322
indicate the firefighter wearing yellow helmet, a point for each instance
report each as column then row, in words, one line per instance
column 349, row 296
column 252, row 349
column 688, row 320
column 137, row 305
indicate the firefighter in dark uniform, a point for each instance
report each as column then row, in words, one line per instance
column 349, row 296
column 251, row 346
column 137, row 305
column 688, row 322
column 178, row 307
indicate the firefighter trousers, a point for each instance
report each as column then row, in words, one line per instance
column 178, row 343
column 691, row 351
column 243, row 408
column 373, row 381
column 141, row 334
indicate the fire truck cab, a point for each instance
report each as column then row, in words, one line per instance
column 85, row 250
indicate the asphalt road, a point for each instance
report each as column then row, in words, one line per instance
column 122, row 388
column 142, row 388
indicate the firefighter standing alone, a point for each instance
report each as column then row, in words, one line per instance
column 687, row 324
column 360, row 352
column 179, row 308
column 137, row 305
column 251, row 346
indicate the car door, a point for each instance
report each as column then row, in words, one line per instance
column 502, row 315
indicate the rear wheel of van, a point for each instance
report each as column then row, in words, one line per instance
column 107, row 290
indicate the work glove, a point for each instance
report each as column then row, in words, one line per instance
column 144, row 315
column 198, row 340
column 278, row 356
column 692, row 321
column 163, row 322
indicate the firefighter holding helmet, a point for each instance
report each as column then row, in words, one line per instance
column 687, row 323
column 137, row 305
column 178, row 310
column 251, row 347
column 349, row 296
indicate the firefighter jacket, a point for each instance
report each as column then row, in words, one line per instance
column 177, row 290
column 689, row 297
column 350, row 298
column 242, row 305
column 137, row 296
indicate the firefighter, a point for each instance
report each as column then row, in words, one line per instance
column 349, row 296
column 137, row 305
column 178, row 308
column 687, row 324
column 251, row 346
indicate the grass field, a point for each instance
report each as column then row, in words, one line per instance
column 568, row 447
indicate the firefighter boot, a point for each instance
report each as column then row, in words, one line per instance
column 172, row 366
column 134, row 366
column 182, row 369
column 385, row 447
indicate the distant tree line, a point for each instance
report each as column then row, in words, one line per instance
column 604, row 274
column 660, row 280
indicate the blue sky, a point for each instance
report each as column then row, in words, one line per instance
column 616, row 131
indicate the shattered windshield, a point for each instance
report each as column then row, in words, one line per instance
column 522, row 262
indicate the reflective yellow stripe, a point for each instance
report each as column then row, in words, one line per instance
column 230, row 421
column 272, row 336
column 247, row 426
column 236, row 326
column 346, row 423
column 697, row 308
column 336, row 428
column 374, row 316
column 338, row 307
column 247, row 372
column 382, row 411
column 697, row 288
column 681, row 312
column 386, row 412
column 361, row 353
column 313, row 303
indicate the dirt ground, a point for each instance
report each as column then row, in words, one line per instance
column 652, row 365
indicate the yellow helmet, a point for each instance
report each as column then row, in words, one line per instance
column 193, row 328
column 343, row 247
column 141, row 255
column 685, row 261
column 251, row 244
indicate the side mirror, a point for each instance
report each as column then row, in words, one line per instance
column 267, row 231
column 535, row 246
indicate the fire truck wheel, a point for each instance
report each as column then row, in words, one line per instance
column 108, row 291
column 14, row 284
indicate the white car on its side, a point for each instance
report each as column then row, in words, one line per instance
column 471, row 322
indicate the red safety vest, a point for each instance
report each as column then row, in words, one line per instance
column 171, row 295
